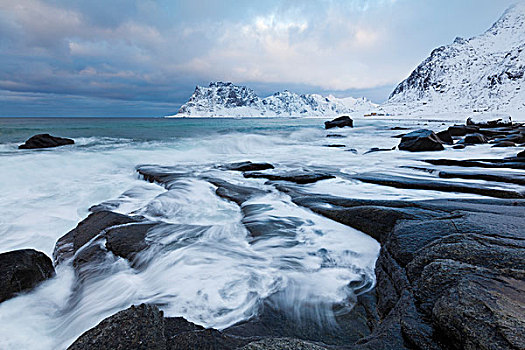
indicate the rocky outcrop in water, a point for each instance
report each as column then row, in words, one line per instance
column 421, row 141
column 22, row 270
column 340, row 122
column 45, row 141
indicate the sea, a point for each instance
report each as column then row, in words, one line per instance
column 206, row 267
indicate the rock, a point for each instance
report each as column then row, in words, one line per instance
column 45, row 141
column 458, row 147
column 335, row 145
column 139, row 327
column 247, row 166
column 86, row 230
column 445, row 137
column 22, row 270
column 335, row 136
column 399, row 128
column 376, row 149
column 235, row 193
column 298, row 178
column 444, row 186
column 490, row 120
column 521, row 154
column 473, row 139
column 420, row 141
column 504, row 144
column 513, row 163
column 340, row 122
column 126, row 241
column 462, row 130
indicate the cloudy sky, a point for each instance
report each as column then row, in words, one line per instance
column 144, row 57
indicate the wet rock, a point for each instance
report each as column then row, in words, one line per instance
column 335, row 136
column 164, row 176
column 504, row 144
column 235, row 193
column 462, row 130
column 476, row 175
column 399, row 128
column 473, row 139
column 521, row 154
column 86, row 230
column 352, row 150
column 128, row 240
column 139, row 327
column 458, row 146
column 247, row 166
column 45, row 141
column 340, row 122
column 445, row 137
column 443, row 186
column 298, row 178
column 420, row 141
column 22, row 270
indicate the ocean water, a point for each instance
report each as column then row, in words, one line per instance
column 203, row 264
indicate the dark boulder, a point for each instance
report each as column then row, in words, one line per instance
column 86, row 230
column 45, row 141
column 462, row 130
column 473, row 139
column 521, row 154
column 139, row 327
column 458, row 146
column 420, row 141
column 340, row 122
column 22, row 270
column 247, row 166
column 445, row 137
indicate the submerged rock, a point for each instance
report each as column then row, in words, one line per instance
column 340, row 122
column 298, row 178
column 420, row 141
column 504, row 144
column 22, row 270
column 247, row 166
column 45, row 141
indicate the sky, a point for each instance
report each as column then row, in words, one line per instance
column 144, row 57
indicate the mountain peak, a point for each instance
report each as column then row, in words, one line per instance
column 485, row 72
column 225, row 99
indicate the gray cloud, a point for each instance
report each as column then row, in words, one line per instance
column 147, row 56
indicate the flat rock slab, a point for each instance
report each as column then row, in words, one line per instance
column 128, row 240
column 22, row 270
column 442, row 186
column 45, row 141
column 511, row 163
column 247, row 166
column 298, row 178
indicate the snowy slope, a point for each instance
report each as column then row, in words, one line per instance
column 484, row 73
column 228, row 100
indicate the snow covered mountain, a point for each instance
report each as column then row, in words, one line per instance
column 228, row 100
column 484, row 73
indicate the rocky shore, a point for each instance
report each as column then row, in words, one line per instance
column 450, row 273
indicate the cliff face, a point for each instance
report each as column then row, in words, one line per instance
column 483, row 73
